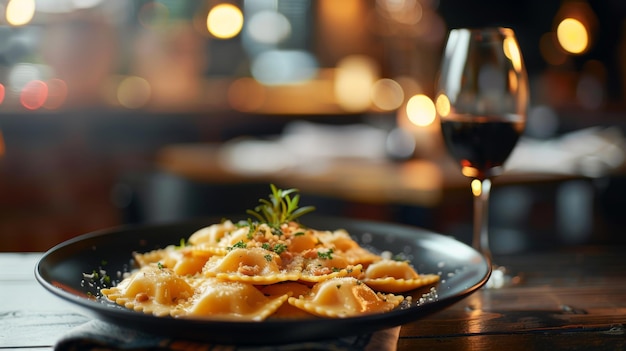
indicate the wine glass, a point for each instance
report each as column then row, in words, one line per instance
column 482, row 100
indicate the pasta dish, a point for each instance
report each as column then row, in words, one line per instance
column 269, row 266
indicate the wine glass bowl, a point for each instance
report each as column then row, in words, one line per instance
column 482, row 101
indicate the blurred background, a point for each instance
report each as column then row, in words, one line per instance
column 118, row 111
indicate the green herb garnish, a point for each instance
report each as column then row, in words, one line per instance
column 328, row 255
column 252, row 227
column 238, row 245
column 279, row 248
column 276, row 231
column 281, row 207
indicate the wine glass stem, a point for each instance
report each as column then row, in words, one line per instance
column 481, row 190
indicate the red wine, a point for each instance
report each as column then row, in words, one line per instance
column 480, row 144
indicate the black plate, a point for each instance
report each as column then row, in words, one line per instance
column 463, row 270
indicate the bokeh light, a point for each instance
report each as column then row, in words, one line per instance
column 442, row 105
column 34, row 95
column 86, row 4
column 278, row 67
column 20, row 12
column 467, row 170
column 354, row 78
column 133, row 92
column 403, row 11
column 224, row 21
column 542, row 122
column 21, row 74
column 572, row 36
column 420, row 110
column 269, row 27
column 387, row 94
column 2, row 93
column 476, row 187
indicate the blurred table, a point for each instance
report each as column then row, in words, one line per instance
column 567, row 299
column 419, row 182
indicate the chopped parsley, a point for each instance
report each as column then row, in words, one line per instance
column 279, row 248
column 268, row 257
column 328, row 255
column 238, row 245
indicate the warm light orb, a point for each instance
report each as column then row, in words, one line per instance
column 133, row 92
column 2, row 93
column 420, row 110
column 225, row 21
column 477, row 188
column 469, row 172
column 20, row 12
column 572, row 35
column 442, row 105
column 387, row 94
column 355, row 76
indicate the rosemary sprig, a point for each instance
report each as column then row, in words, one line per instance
column 281, row 207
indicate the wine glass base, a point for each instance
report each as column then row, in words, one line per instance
column 501, row 277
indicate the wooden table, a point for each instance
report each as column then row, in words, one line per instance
column 568, row 299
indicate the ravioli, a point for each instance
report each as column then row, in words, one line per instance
column 153, row 289
column 254, row 265
column 252, row 271
column 212, row 234
column 232, row 301
column 396, row 276
column 344, row 297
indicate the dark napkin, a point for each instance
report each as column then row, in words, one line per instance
column 99, row 335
